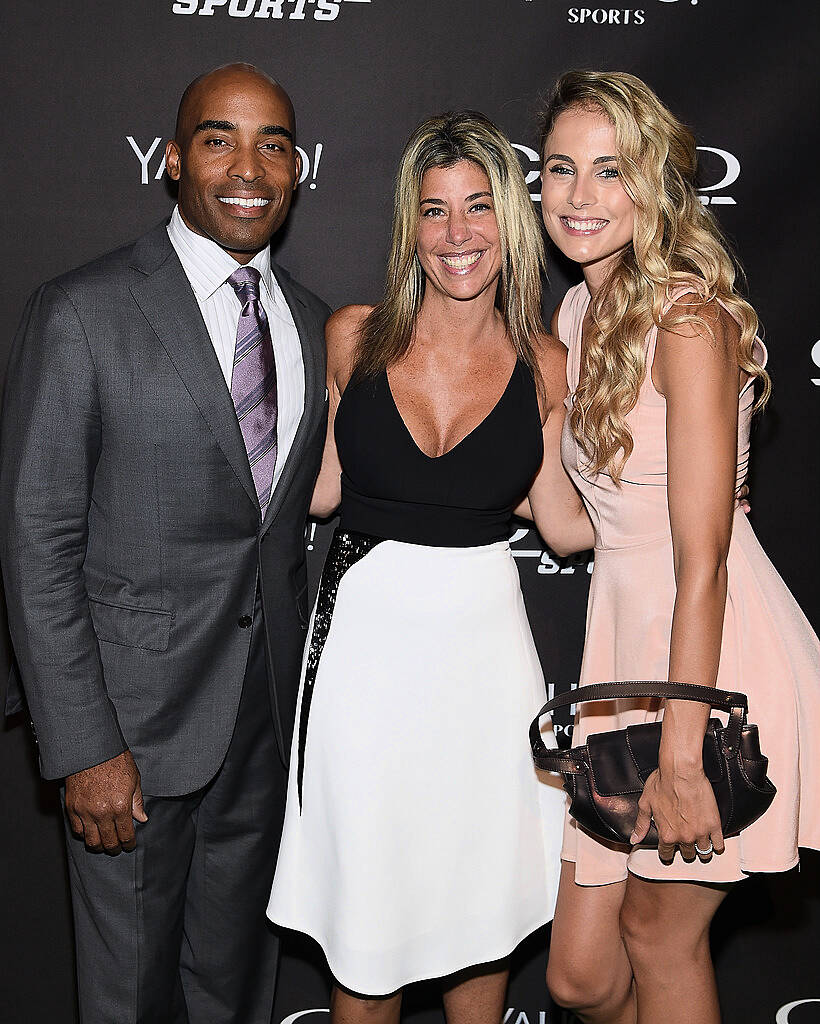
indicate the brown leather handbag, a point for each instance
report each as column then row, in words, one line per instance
column 606, row 776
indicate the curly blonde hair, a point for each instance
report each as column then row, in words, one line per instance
column 676, row 242
column 443, row 141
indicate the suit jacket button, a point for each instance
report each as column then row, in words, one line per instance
column 245, row 621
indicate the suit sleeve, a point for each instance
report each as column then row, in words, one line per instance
column 51, row 439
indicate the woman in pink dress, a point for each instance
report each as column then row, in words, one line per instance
column 663, row 365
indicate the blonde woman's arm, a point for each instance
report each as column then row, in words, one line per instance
column 696, row 370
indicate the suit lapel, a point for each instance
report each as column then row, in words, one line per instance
column 311, row 339
column 163, row 293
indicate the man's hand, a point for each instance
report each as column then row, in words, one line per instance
column 101, row 803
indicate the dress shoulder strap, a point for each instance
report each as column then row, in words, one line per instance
column 570, row 321
column 760, row 352
column 651, row 342
column 570, row 312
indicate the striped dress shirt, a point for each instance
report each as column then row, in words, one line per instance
column 208, row 267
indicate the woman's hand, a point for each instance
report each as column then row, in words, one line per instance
column 683, row 807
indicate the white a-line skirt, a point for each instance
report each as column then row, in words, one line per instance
column 418, row 838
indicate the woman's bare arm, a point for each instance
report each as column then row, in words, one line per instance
column 696, row 370
column 341, row 337
column 555, row 504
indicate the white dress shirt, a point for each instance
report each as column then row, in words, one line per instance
column 208, row 267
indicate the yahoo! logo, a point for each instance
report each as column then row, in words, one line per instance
column 302, row 1014
column 310, row 167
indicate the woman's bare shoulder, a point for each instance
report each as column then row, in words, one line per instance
column 342, row 332
column 552, row 359
column 692, row 318
column 346, row 323
column 551, row 356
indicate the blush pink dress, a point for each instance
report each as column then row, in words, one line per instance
column 769, row 650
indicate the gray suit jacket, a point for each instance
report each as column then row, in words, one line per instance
column 130, row 533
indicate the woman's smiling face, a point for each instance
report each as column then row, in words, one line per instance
column 587, row 211
column 458, row 244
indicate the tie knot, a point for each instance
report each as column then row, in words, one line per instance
column 245, row 282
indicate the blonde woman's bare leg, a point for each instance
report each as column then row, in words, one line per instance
column 589, row 970
column 665, row 926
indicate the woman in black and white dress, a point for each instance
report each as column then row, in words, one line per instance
column 418, row 839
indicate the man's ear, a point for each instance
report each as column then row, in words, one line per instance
column 173, row 160
column 297, row 159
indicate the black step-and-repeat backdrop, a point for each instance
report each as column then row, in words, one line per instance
column 95, row 86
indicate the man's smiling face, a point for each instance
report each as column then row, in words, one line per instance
column 235, row 159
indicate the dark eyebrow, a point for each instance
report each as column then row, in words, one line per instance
column 215, row 126
column 228, row 126
column 468, row 199
column 276, row 129
column 569, row 160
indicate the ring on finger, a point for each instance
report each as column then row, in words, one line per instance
column 705, row 853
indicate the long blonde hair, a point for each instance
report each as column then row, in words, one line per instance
column 676, row 241
column 443, row 141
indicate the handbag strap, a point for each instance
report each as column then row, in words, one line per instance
column 725, row 700
column 565, row 761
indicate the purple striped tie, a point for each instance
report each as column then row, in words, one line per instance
column 253, row 384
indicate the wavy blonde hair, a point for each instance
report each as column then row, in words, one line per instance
column 443, row 141
column 676, row 241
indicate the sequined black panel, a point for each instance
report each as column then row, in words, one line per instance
column 345, row 550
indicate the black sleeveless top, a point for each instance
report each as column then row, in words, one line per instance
column 463, row 498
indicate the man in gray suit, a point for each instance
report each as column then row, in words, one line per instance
column 163, row 425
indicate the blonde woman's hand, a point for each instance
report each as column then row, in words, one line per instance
column 683, row 807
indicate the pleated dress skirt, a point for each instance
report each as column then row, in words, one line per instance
column 418, row 838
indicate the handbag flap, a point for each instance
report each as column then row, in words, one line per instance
column 622, row 761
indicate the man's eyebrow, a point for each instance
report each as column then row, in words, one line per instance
column 276, row 129
column 215, row 126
